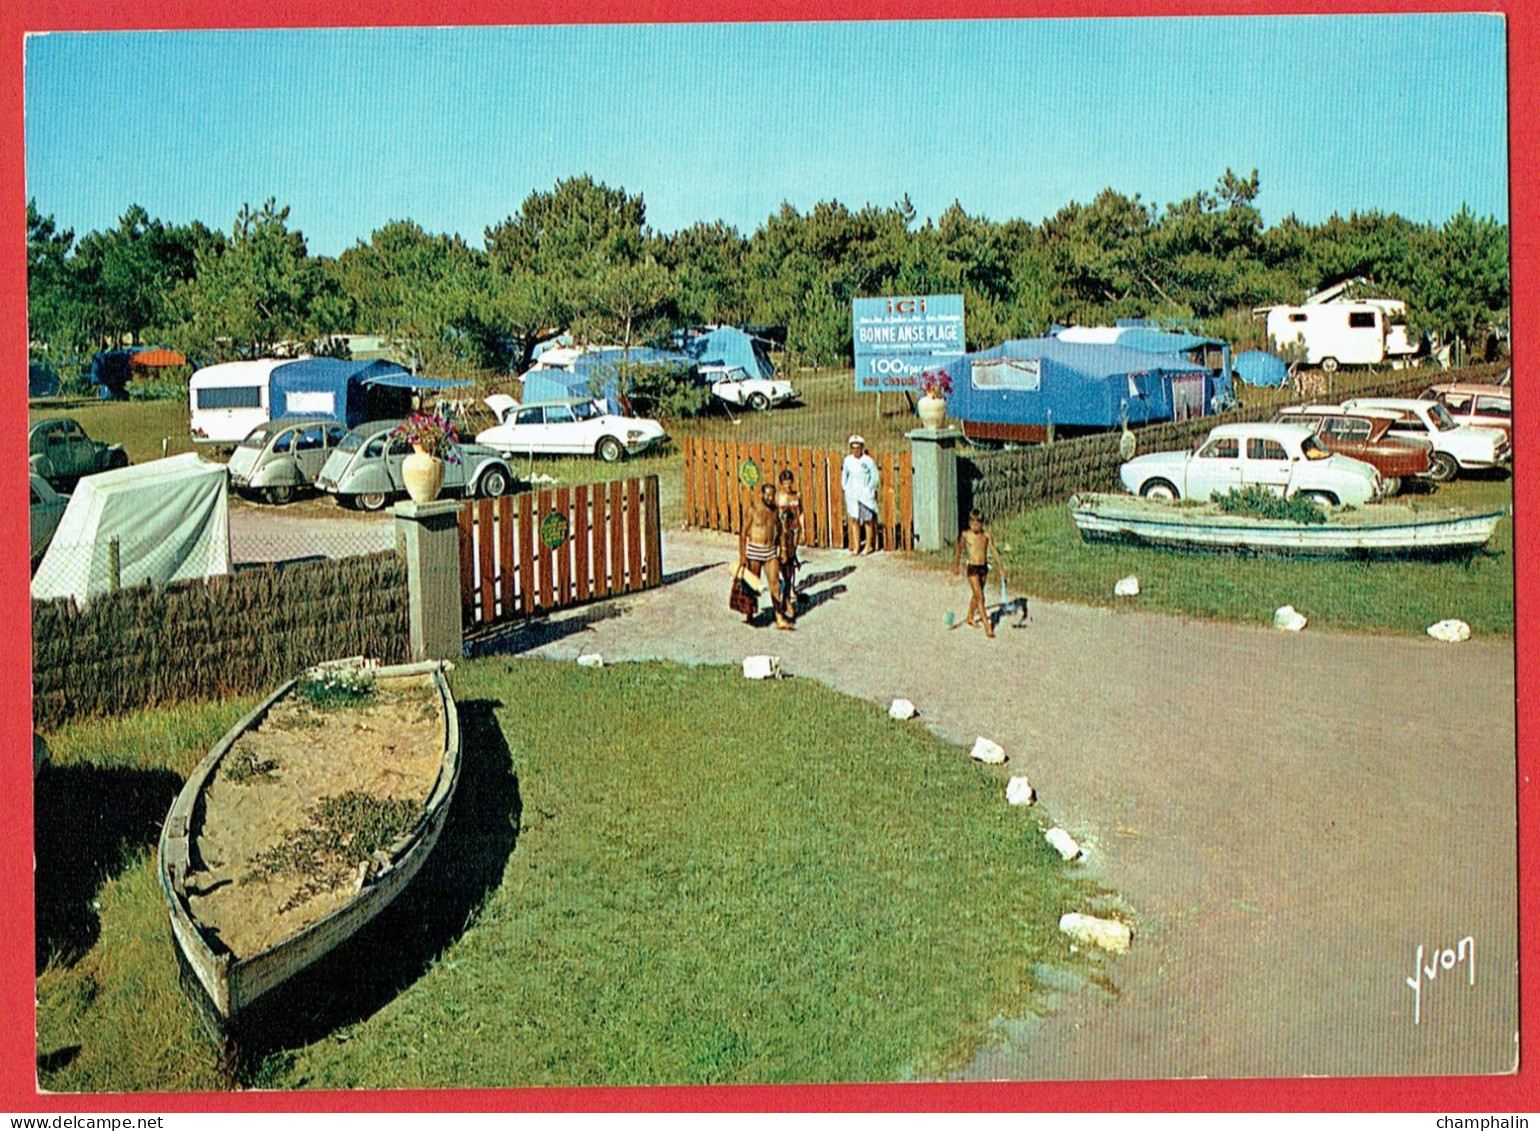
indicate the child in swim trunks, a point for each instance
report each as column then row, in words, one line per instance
column 977, row 542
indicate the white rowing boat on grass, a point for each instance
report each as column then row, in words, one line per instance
column 1377, row 530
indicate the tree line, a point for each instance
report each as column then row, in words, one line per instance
column 581, row 258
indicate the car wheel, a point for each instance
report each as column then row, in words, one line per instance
column 1329, row 364
column 493, row 483
column 610, row 450
column 371, row 501
column 279, row 495
column 1320, row 498
column 1391, row 486
column 1443, row 467
column 1159, row 489
column 759, row 402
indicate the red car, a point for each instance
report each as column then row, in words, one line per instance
column 1486, row 406
column 1365, row 435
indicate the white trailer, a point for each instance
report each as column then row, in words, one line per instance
column 1334, row 330
column 226, row 401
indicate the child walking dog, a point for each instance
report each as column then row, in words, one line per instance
column 977, row 542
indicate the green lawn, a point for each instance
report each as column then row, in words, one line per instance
column 801, row 890
column 1045, row 558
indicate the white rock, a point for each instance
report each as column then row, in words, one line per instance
column 1127, row 587
column 1289, row 619
column 1108, row 934
column 1063, row 843
column 591, row 660
column 902, row 709
column 987, row 751
column 1450, row 631
column 1019, row 791
column 761, row 667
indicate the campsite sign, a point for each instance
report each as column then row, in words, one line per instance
column 900, row 337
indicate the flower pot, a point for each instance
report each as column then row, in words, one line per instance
column 423, row 475
column 932, row 411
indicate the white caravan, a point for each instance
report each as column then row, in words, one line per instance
column 226, row 401
column 1335, row 330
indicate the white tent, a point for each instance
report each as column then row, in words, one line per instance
column 169, row 518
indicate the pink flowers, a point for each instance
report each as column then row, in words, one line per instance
column 937, row 383
column 430, row 434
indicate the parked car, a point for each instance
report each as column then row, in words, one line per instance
column 1456, row 447
column 62, row 453
column 1286, row 458
column 568, row 426
column 736, row 387
column 1364, row 435
column 283, row 456
column 1481, row 406
column 47, row 508
column 364, row 469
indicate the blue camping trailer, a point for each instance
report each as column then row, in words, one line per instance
column 228, row 400
column 1087, row 380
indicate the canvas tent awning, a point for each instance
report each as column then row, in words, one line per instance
column 170, row 519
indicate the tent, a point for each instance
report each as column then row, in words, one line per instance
column 1257, row 367
column 169, row 518
column 350, row 392
column 728, row 347
column 593, row 372
column 1081, row 381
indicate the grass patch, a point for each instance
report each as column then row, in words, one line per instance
column 1045, row 558
column 801, row 890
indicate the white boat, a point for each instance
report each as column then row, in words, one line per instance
column 1377, row 530
column 244, row 919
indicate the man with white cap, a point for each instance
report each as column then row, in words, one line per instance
column 860, row 480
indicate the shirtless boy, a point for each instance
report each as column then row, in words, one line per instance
column 977, row 542
column 759, row 549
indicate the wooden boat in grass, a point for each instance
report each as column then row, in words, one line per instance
column 302, row 825
column 1374, row 531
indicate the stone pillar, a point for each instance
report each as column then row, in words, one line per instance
column 429, row 534
column 934, row 451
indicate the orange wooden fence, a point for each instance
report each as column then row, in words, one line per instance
column 531, row 553
column 719, row 475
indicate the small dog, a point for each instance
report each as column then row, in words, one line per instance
column 1016, row 606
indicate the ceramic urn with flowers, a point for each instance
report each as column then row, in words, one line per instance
column 935, row 387
column 433, row 441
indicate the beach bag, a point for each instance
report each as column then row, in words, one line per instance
column 742, row 599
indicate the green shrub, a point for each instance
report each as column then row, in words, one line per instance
column 1259, row 502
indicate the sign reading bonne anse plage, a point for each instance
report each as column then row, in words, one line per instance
column 899, row 338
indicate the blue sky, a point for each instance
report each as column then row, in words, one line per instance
column 452, row 128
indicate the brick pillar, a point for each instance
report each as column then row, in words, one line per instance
column 429, row 534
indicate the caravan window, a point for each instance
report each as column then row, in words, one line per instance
column 1299, row 316
column 1362, row 319
column 1008, row 373
column 231, row 396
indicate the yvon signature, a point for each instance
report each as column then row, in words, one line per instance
column 1446, row 959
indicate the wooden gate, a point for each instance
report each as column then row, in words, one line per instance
column 531, row 553
column 718, row 475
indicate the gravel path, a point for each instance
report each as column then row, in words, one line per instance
column 1290, row 815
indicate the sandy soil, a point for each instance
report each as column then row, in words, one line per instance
column 389, row 747
column 1291, row 816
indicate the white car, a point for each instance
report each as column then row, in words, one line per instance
column 1456, row 447
column 47, row 509
column 1286, row 458
column 568, row 426
column 736, row 387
